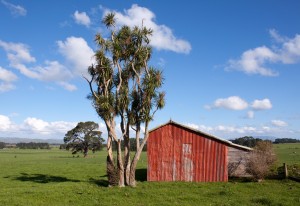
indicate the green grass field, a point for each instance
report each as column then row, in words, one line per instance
column 54, row 177
column 288, row 153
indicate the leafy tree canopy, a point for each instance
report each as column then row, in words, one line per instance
column 83, row 137
column 2, row 145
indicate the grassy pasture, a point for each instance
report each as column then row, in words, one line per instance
column 288, row 153
column 54, row 177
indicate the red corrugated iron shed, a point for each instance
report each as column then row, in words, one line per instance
column 180, row 153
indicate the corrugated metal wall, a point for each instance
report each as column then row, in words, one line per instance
column 179, row 154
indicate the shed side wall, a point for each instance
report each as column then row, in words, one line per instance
column 178, row 154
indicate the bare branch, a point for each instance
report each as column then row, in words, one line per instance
column 91, row 87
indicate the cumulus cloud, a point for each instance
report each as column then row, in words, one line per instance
column 51, row 71
column 162, row 38
column 263, row 104
column 254, row 61
column 225, row 129
column 19, row 57
column 279, row 123
column 5, row 123
column 231, row 103
column 6, row 75
column 6, row 79
column 34, row 127
column 234, row 131
column 77, row 53
column 15, row 10
column 237, row 103
column 82, row 18
column 17, row 52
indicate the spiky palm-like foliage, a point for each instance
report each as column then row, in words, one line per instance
column 124, row 86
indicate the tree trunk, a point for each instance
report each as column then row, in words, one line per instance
column 132, row 181
column 85, row 152
column 134, row 162
column 120, row 165
column 110, row 166
column 127, row 159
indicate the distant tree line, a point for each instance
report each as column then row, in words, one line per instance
column 250, row 141
column 33, row 145
column 2, row 145
column 286, row 140
column 247, row 141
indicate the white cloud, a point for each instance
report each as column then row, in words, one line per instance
column 34, row 128
column 6, row 77
column 51, row 71
column 191, row 125
column 290, row 52
column 237, row 103
column 278, row 38
column 68, row 86
column 78, row 54
column 17, row 52
column 5, row 123
column 15, row 10
column 279, row 123
column 263, row 104
column 162, row 38
column 232, row 103
column 278, row 129
column 36, row 124
column 39, row 126
column 82, row 18
column 19, row 56
column 254, row 61
column 224, row 129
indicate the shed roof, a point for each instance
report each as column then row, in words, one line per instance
column 229, row 143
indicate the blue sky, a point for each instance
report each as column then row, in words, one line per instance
column 231, row 67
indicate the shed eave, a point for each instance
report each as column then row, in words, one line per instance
column 227, row 142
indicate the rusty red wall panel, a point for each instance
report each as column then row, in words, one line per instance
column 179, row 154
column 167, row 157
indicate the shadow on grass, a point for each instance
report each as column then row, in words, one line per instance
column 41, row 178
column 100, row 182
column 240, row 179
column 141, row 175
